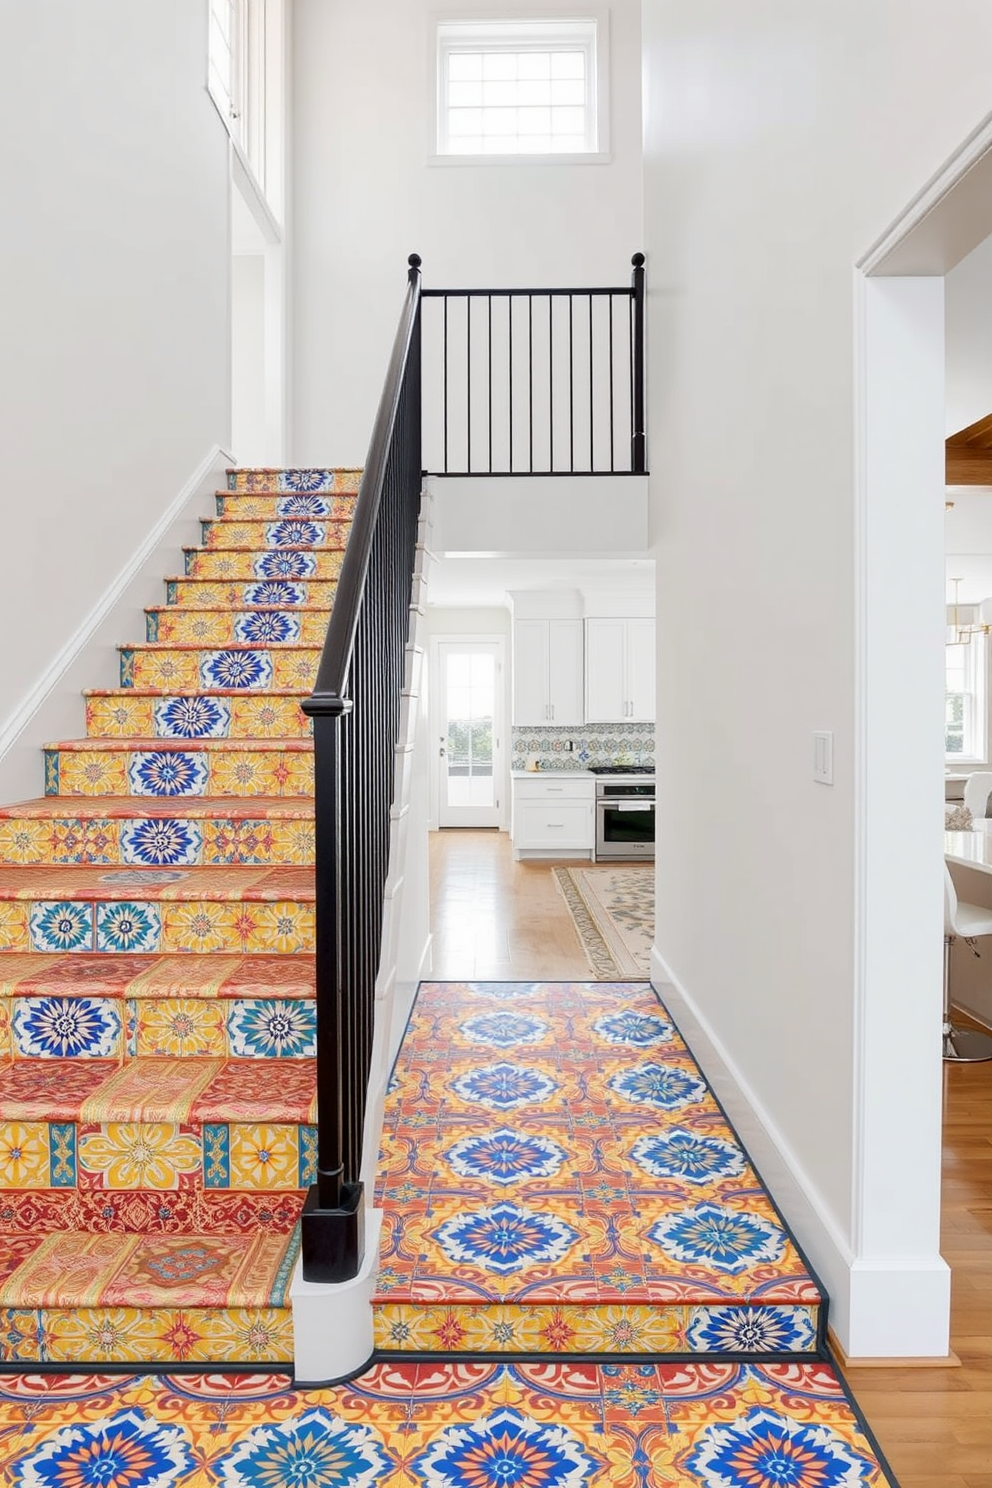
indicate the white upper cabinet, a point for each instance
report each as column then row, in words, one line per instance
column 547, row 672
column 620, row 674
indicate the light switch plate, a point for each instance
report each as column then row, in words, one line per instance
column 823, row 758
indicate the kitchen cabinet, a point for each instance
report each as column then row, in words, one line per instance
column 620, row 673
column 554, row 815
column 547, row 672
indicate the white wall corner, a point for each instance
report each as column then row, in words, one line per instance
column 53, row 709
column 332, row 1324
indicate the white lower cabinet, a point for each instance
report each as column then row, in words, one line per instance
column 554, row 816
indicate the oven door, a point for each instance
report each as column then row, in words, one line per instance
column 624, row 828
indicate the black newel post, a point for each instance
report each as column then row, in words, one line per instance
column 638, row 444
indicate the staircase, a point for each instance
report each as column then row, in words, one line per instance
column 157, row 1021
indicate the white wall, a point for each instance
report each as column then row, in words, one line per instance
column 780, row 141
column 365, row 198
column 968, row 326
column 248, row 421
column 114, row 380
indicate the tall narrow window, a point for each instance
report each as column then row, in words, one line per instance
column 965, row 733
column 226, row 61
column 520, row 87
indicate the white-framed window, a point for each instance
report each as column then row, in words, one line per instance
column 521, row 87
column 226, row 61
column 966, row 717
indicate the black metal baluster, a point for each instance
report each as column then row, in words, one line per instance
column 468, row 382
column 489, row 302
column 638, row 439
column 551, row 384
column 445, row 381
column 612, row 465
column 592, row 462
column 509, row 303
column 571, row 392
column 530, row 383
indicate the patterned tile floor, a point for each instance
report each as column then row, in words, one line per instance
column 465, row 1424
column 557, row 1177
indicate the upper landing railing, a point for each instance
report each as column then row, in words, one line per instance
column 593, row 426
column 535, row 381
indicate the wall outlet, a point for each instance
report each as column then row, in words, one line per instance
column 569, row 745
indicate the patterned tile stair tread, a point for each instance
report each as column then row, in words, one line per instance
column 447, row 1425
column 284, row 532
column 193, row 593
column 157, row 831
column 154, row 978
column 226, row 626
column 214, row 713
column 553, row 1148
column 275, row 563
column 178, row 769
column 188, row 1089
column 222, row 883
column 131, row 1211
column 173, row 666
column 122, row 1298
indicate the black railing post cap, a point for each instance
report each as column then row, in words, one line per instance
column 415, row 260
column 637, row 260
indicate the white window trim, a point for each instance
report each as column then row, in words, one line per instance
column 979, row 729
column 600, row 15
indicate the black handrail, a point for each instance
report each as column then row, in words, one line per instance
column 355, row 707
column 585, row 430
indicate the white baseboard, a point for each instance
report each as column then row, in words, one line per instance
column 879, row 1308
column 53, row 708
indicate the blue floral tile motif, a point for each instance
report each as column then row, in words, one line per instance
column 505, row 1238
column 505, row 1156
column 504, row 1450
column 665, row 1088
column 167, row 772
column 306, row 480
column 61, row 926
column 126, row 1450
column 504, row 1087
column 128, row 927
column 303, row 506
column 765, row 1449
column 155, row 840
column 276, row 592
column 66, row 1028
column 313, row 1450
column 503, row 1030
column 639, row 1030
column 293, row 534
column 677, row 1153
column 635, row 1389
column 268, row 1028
column 267, row 627
column 240, row 669
column 724, row 1239
column 278, row 565
column 191, row 718
column 752, row 1330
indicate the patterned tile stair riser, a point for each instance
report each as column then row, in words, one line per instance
column 228, row 627
column 446, row 1425
column 205, row 767
column 236, row 668
column 149, row 832
column 557, row 1178
column 156, row 974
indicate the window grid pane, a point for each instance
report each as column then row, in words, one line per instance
column 505, row 101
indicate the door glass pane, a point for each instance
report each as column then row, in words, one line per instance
column 470, row 699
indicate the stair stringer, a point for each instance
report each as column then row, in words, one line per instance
column 333, row 1324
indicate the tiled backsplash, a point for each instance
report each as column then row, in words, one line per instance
column 592, row 744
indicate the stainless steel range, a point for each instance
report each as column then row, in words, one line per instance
column 624, row 813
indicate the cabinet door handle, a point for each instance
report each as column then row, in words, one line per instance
column 555, row 824
column 552, row 711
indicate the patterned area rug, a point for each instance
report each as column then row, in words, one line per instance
column 613, row 913
column 556, row 1177
column 465, row 1424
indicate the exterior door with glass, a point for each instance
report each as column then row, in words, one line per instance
column 470, row 691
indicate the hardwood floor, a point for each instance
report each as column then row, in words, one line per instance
column 496, row 919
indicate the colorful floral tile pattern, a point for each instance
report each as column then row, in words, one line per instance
column 342, row 481
column 242, row 565
column 296, row 531
column 556, row 1176
column 225, row 768
column 584, row 745
column 210, row 594
column 128, row 714
column 468, row 1424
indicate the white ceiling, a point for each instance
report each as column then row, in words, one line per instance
column 484, row 582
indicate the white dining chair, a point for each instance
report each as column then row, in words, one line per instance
column 965, row 1045
column 977, row 789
